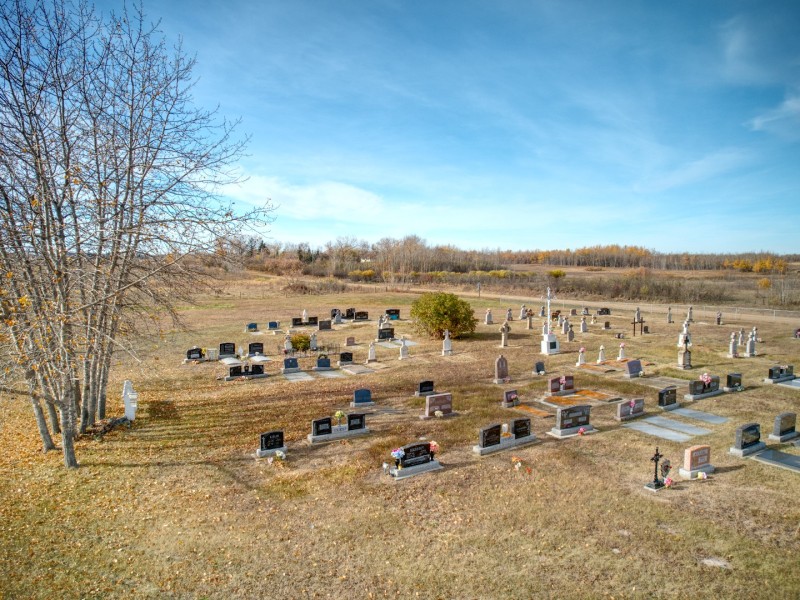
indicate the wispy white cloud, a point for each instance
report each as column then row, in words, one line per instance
column 783, row 120
column 697, row 171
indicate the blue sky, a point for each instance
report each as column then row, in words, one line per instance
column 510, row 124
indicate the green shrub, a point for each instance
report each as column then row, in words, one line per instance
column 433, row 313
column 301, row 342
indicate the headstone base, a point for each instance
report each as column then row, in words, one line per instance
column 732, row 355
column 693, row 397
column 655, row 488
column 571, row 431
column 785, row 437
column 693, row 473
column 341, row 364
column 502, row 380
column 780, row 379
column 321, row 368
column 262, row 453
column 748, row 451
column 505, row 444
column 672, row 406
column 337, row 432
column 738, row 388
column 399, row 473
column 509, row 404
column 447, row 352
column 261, row 376
column 423, row 394
column 286, row 370
column 561, row 393
column 636, row 376
column 447, row 416
column 360, row 404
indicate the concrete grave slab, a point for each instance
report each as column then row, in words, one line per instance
column 299, row 376
column 666, row 434
column 330, row 374
column 357, row 369
column 700, row 416
column 677, row 425
column 776, row 458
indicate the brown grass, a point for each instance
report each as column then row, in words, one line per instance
column 177, row 506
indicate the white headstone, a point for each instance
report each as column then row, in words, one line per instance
column 621, row 351
column 601, row 357
column 447, row 346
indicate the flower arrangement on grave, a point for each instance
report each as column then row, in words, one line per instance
column 666, row 467
column 563, row 380
column 632, row 404
column 434, row 447
column 582, row 431
column 339, row 415
column 668, row 482
column 582, row 350
column 516, row 461
column 280, row 455
column 438, row 414
column 622, row 344
column 705, row 378
column 397, row 455
column 702, row 475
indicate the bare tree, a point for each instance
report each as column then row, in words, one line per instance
column 109, row 178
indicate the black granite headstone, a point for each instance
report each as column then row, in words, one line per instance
column 322, row 426
column 520, row 428
column 272, row 440
column 490, row 436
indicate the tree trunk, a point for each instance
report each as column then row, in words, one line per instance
column 68, row 419
column 41, row 423
column 51, row 410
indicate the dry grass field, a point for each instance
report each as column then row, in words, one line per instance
column 178, row 507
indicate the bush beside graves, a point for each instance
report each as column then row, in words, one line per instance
column 434, row 313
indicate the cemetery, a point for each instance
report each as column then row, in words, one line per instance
column 540, row 401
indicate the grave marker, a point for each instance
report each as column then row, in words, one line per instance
column 630, row 410
column 323, row 430
column 501, row 370
column 345, row 358
column 434, row 403
column 361, row 315
column 633, row 368
column 273, row 325
column 668, row 398
column 297, row 321
column 324, row 325
column 314, row 321
column 195, row 354
column 290, row 365
column 362, row 397
column 255, row 348
column 538, row 368
column 696, row 459
column 784, row 428
column 573, row 420
column 733, row 383
column 748, row 440
column 510, row 399
column 270, row 443
column 323, row 363
column 424, row 388
column 393, row 314
column 562, row 386
column 497, row 437
column 386, row 334
column 227, row 349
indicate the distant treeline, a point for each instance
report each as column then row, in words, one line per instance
column 400, row 259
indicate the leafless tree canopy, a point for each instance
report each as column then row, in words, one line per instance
column 109, row 176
